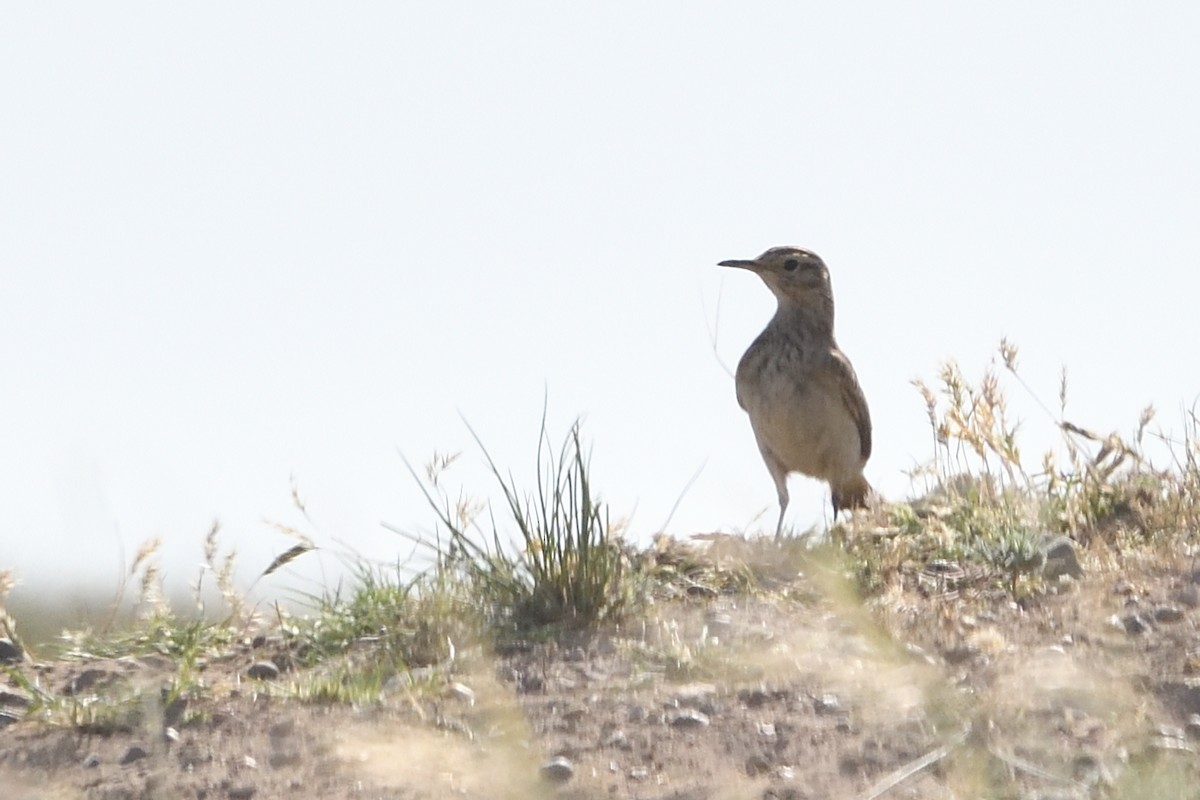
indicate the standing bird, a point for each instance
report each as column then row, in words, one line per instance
column 807, row 410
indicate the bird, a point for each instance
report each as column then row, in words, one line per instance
column 806, row 407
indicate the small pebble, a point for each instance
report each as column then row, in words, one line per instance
column 10, row 652
column 1192, row 729
column 1168, row 614
column 462, row 692
column 1170, row 732
column 691, row 718
column 757, row 765
column 263, row 670
column 617, row 738
column 827, row 704
column 135, row 753
column 558, row 769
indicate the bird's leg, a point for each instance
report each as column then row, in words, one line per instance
column 779, row 473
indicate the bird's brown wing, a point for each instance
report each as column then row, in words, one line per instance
column 852, row 397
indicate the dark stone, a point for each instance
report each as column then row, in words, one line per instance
column 1059, row 558
column 558, row 769
column 263, row 670
column 691, row 718
column 135, row 752
column 10, row 652
column 757, row 765
column 1168, row 614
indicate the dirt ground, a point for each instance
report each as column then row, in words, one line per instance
column 938, row 689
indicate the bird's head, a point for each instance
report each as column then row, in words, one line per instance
column 796, row 276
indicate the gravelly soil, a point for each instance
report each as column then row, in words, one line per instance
column 1086, row 691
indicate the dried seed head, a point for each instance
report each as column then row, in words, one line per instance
column 1008, row 351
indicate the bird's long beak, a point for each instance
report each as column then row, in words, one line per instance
column 751, row 265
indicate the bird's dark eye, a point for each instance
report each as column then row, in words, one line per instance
column 791, row 264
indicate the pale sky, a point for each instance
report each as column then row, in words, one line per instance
column 245, row 242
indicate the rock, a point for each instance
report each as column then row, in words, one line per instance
column 827, row 704
column 462, row 692
column 1170, row 732
column 1088, row 770
column 10, row 652
column 618, row 739
column 244, row 792
column 691, row 718
column 636, row 713
column 575, row 713
column 1134, row 624
column 757, row 765
column 1168, row 614
column 639, row 773
column 14, row 698
column 961, row 654
column 135, row 752
column 263, row 670
column 766, row 729
column 8, row 718
column 1169, row 744
column 92, row 761
column 1059, row 558
column 1192, row 729
column 558, row 769
column 753, row 698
